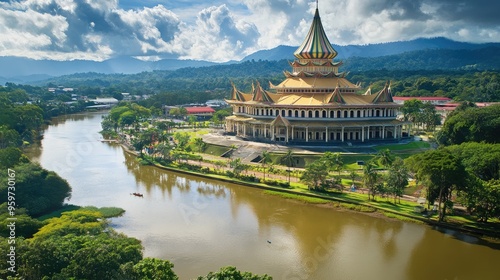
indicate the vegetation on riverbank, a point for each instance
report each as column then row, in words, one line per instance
column 383, row 175
column 45, row 239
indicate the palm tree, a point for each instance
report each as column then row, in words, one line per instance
column 266, row 158
column 288, row 159
column 370, row 178
column 353, row 175
column 198, row 142
column 334, row 161
column 385, row 157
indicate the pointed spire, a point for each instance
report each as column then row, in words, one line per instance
column 316, row 43
column 384, row 95
column 336, row 97
column 236, row 94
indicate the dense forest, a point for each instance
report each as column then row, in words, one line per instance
column 195, row 85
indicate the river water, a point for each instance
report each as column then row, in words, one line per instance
column 201, row 225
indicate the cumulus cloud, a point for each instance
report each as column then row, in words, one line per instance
column 89, row 29
column 216, row 36
column 225, row 30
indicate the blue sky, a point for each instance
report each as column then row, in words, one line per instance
column 226, row 30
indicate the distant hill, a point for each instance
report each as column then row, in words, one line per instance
column 434, row 53
column 374, row 50
column 21, row 69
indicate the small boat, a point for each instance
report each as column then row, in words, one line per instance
column 137, row 194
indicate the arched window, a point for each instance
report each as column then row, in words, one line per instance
column 302, row 114
column 277, row 112
column 332, row 114
column 324, row 114
column 352, row 114
column 310, row 114
column 296, row 113
column 338, row 114
column 345, row 114
column 289, row 113
column 359, row 114
column 316, row 114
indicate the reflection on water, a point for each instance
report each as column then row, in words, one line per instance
column 202, row 225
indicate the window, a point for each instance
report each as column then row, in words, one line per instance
column 310, row 114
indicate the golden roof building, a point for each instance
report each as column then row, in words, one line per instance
column 315, row 104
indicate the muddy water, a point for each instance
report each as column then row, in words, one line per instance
column 201, row 225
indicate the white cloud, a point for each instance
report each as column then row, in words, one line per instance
column 216, row 36
column 98, row 29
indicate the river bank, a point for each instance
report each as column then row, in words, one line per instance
column 335, row 202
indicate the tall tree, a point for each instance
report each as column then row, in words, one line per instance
column 265, row 159
column 370, row 179
column 333, row 161
column 315, row 174
column 397, row 178
column 288, row 159
column 441, row 172
column 385, row 157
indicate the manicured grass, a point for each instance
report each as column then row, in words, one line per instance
column 215, row 150
column 409, row 146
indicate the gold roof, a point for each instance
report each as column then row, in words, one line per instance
column 310, row 82
column 260, row 96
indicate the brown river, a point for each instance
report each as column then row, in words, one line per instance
column 201, row 225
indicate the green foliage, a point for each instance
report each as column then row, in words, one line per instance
column 77, row 245
column 385, row 157
column 315, row 174
column 397, row 178
column 442, row 172
column 25, row 225
column 472, row 124
column 154, row 269
column 482, row 159
column 38, row 190
column 371, row 179
column 11, row 156
column 231, row 273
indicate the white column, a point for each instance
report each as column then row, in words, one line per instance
column 292, row 133
column 307, row 134
column 326, row 134
column 383, row 132
column 368, row 133
column 362, row 134
column 286, row 140
column 342, row 134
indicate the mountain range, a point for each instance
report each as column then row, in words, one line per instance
column 23, row 70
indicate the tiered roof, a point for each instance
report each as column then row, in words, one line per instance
column 316, row 45
column 315, row 80
column 335, row 98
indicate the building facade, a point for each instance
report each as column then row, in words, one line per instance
column 315, row 103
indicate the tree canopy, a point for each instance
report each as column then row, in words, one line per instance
column 472, row 125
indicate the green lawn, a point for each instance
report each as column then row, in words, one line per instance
column 215, row 150
column 415, row 145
